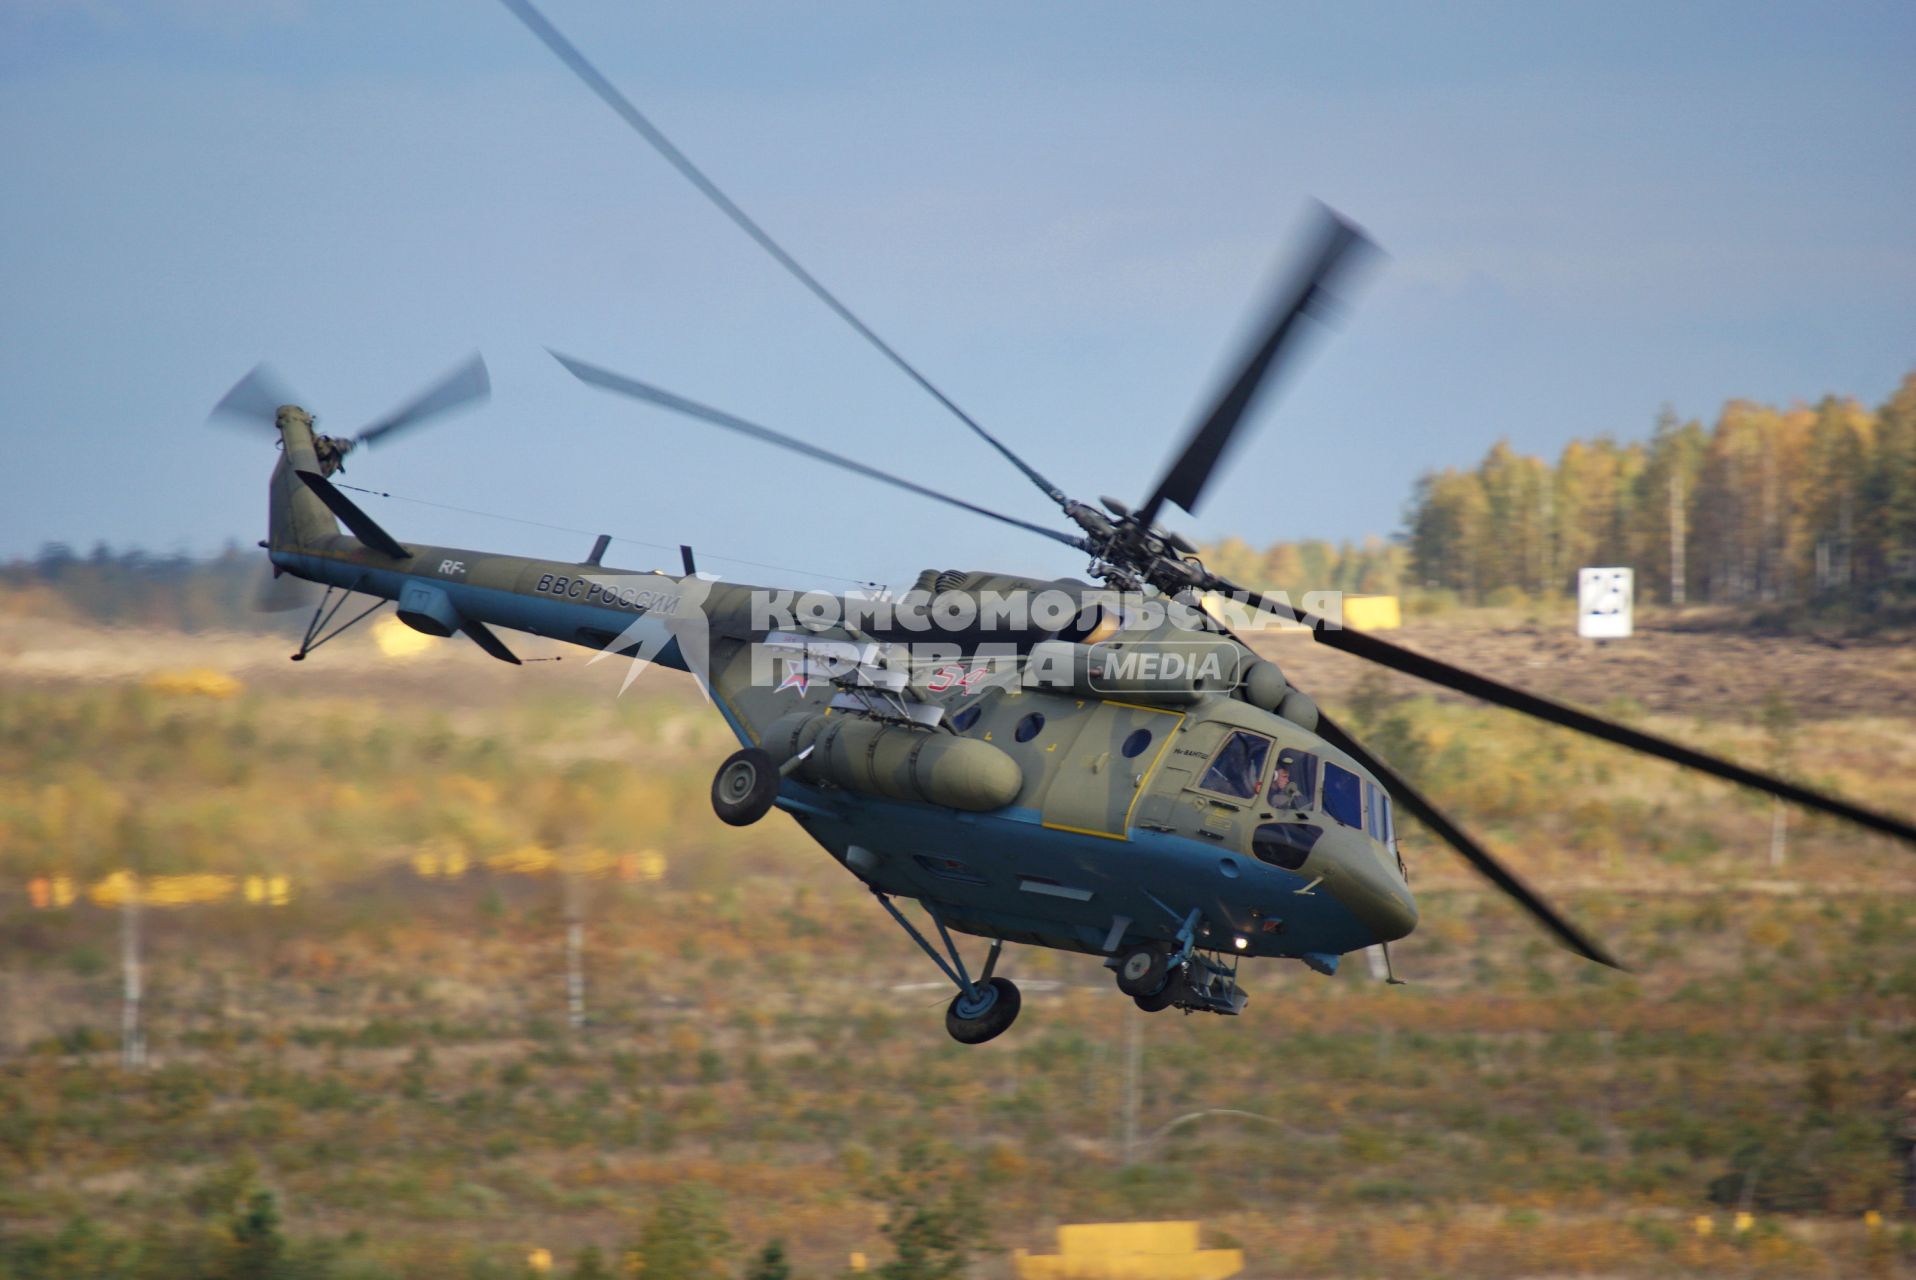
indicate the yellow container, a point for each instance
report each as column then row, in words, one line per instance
column 1129, row 1251
column 1373, row 613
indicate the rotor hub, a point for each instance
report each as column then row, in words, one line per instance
column 331, row 452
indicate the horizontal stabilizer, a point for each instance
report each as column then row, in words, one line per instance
column 486, row 639
column 364, row 527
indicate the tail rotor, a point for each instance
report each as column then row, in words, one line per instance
column 256, row 399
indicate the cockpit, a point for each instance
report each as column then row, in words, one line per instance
column 1300, row 787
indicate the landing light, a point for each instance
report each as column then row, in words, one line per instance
column 1240, row 942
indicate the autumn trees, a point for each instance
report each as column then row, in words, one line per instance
column 1766, row 505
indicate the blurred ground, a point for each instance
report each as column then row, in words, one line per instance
column 389, row 1055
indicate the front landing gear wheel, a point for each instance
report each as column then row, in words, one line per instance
column 1165, row 996
column 1142, row 972
column 745, row 786
column 985, row 1012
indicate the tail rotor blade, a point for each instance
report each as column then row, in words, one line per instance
column 254, row 399
column 1421, row 807
column 464, row 385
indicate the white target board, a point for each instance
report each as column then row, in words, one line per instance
column 1604, row 598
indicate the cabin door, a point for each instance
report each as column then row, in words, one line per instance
column 1106, row 768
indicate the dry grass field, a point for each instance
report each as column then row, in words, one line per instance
column 377, row 1077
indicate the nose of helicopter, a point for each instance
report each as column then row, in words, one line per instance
column 1390, row 911
column 1373, row 891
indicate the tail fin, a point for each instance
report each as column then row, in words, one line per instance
column 296, row 519
column 304, row 503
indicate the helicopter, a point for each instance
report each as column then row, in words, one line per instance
column 1101, row 765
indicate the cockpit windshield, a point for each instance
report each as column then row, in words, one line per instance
column 1294, row 780
column 1377, row 819
column 1358, row 804
column 1344, row 795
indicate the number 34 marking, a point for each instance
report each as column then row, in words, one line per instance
column 946, row 677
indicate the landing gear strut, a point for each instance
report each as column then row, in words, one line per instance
column 325, row 611
column 982, row 1010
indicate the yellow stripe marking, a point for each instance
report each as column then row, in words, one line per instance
column 1164, row 749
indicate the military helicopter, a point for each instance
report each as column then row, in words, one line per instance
column 1100, row 766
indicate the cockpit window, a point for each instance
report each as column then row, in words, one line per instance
column 1285, row 844
column 1238, row 766
column 1377, row 813
column 1343, row 795
column 1294, row 780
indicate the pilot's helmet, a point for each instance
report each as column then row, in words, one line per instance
column 1287, row 761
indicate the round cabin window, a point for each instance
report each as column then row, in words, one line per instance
column 963, row 721
column 1135, row 744
column 1029, row 727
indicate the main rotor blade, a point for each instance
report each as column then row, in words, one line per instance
column 570, row 55
column 1184, row 481
column 1364, row 645
column 465, row 384
column 255, row 399
column 609, row 381
column 1425, row 811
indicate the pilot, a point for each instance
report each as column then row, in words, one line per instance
column 1285, row 793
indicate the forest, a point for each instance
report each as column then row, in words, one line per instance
column 132, row 587
column 1767, row 505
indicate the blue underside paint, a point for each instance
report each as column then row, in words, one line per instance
column 994, row 852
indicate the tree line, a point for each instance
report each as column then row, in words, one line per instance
column 1765, row 505
column 140, row 588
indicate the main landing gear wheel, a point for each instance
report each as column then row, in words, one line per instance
column 1143, row 971
column 984, row 1012
column 983, row 1009
column 745, row 786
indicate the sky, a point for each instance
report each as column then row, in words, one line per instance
column 1064, row 214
